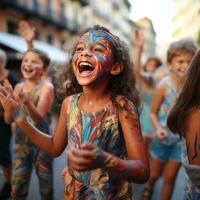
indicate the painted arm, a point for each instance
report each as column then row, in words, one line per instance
column 136, row 168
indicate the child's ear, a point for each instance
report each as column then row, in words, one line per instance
column 116, row 69
column 169, row 65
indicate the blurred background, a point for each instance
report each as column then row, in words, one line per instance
column 57, row 23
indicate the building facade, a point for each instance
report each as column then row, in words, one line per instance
column 186, row 19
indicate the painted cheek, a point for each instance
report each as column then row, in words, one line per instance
column 104, row 62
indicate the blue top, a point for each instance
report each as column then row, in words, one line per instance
column 165, row 107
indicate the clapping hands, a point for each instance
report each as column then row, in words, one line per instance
column 87, row 157
column 7, row 99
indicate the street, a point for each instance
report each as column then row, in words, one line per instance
column 59, row 164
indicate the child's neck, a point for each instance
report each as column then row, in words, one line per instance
column 175, row 80
column 31, row 83
column 94, row 100
column 90, row 95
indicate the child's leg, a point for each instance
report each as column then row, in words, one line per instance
column 157, row 163
column 156, row 171
column 21, row 172
column 169, row 178
column 44, row 170
column 171, row 170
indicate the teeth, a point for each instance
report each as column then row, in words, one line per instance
column 85, row 64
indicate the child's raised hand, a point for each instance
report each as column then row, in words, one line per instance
column 161, row 133
column 87, row 157
column 139, row 39
column 26, row 31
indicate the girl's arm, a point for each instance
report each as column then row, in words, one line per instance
column 192, row 137
column 139, row 44
column 136, row 168
column 53, row 145
column 39, row 111
column 155, row 107
column 27, row 32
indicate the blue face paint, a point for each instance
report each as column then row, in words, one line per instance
column 94, row 47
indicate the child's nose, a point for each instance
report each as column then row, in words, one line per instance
column 86, row 52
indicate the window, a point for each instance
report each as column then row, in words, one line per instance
column 12, row 27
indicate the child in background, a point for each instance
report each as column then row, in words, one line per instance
column 99, row 122
column 146, row 84
column 5, row 133
column 166, row 147
column 36, row 94
column 184, row 119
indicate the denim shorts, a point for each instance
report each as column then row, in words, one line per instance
column 165, row 152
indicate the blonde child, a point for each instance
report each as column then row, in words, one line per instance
column 166, row 147
column 36, row 94
column 99, row 121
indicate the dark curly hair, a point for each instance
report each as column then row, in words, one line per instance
column 121, row 84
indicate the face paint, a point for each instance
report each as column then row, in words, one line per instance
column 93, row 58
column 32, row 66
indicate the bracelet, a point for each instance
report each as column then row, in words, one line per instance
column 19, row 113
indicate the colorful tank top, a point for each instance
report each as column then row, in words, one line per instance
column 100, row 128
column 165, row 109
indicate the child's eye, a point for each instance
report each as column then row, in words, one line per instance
column 79, row 49
column 98, row 49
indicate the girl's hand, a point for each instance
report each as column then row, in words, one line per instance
column 26, row 31
column 7, row 100
column 87, row 157
column 161, row 133
column 8, row 87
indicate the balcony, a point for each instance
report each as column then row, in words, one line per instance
column 30, row 9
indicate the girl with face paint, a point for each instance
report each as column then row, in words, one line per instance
column 98, row 121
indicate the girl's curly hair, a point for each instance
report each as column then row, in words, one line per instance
column 121, row 84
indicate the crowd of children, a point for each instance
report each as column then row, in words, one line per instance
column 99, row 121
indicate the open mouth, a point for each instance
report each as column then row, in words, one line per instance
column 85, row 67
column 27, row 70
